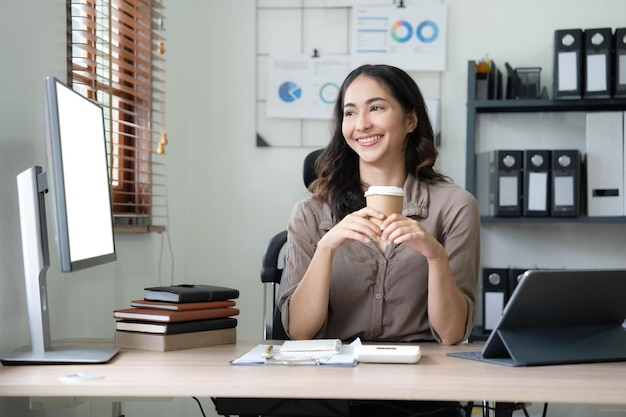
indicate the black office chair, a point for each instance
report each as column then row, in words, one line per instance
column 272, row 272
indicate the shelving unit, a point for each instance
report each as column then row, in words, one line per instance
column 476, row 107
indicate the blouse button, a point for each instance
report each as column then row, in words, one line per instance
column 375, row 330
column 378, row 296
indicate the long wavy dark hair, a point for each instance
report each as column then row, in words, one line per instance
column 338, row 180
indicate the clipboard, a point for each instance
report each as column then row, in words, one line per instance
column 266, row 354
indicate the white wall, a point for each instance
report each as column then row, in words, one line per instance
column 226, row 196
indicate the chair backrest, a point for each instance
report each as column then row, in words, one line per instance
column 308, row 170
column 271, row 273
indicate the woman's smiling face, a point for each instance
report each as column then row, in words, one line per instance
column 374, row 123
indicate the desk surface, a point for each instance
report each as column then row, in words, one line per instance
column 205, row 372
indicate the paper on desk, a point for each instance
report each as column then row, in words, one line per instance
column 258, row 356
column 311, row 347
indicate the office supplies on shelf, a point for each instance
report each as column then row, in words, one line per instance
column 488, row 80
column 551, row 180
column 482, row 79
column 494, row 91
column 499, row 182
column 266, row 354
column 605, row 163
column 568, row 63
column 189, row 293
column 182, row 306
column 476, row 110
column 598, row 65
column 177, row 327
column 495, row 295
column 523, row 82
column 619, row 63
column 169, row 342
column 536, row 199
column 559, row 317
column 565, row 197
column 529, row 82
column 513, row 82
column 150, row 314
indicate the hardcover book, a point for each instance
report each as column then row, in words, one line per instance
column 190, row 293
column 169, row 342
column 172, row 316
column 182, row 306
column 175, row 328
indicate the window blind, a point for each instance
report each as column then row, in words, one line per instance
column 115, row 57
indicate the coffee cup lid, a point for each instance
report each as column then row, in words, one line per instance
column 384, row 190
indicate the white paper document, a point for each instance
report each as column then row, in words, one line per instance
column 304, row 87
column 311, row 347
column 411, row 37
column 266, row 354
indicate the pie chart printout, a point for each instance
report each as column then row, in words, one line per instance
column 289, row 92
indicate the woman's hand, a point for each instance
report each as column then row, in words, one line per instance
column 399, row 229
column 447, row 308
column 355, row 226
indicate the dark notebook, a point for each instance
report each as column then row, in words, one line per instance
column 190, row 293
column 175, row 328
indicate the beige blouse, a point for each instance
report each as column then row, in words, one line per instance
column 382, row 296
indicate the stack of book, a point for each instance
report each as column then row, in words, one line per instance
column 178, row 317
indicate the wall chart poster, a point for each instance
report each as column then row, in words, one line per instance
column 304, row 87
column 412, row 37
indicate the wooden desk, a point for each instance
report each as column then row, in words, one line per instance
column 205, row 372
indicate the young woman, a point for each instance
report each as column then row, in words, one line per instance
column 412, row 278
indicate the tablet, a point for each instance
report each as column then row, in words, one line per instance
column 388, row 353
column 559, row 316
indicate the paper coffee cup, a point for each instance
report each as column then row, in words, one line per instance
column 386, row 199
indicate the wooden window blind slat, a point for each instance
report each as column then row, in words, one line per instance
column 115, row 59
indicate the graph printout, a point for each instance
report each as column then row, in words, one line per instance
column 304, row 87
column 412, row 37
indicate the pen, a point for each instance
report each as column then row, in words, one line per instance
column 293, row 361
column 268, row 352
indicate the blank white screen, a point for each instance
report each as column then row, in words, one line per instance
column 87, row 194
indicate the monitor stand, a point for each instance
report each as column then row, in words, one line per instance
column 32, row 184
column 62, row 355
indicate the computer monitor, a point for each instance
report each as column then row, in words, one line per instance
column 83, row 220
